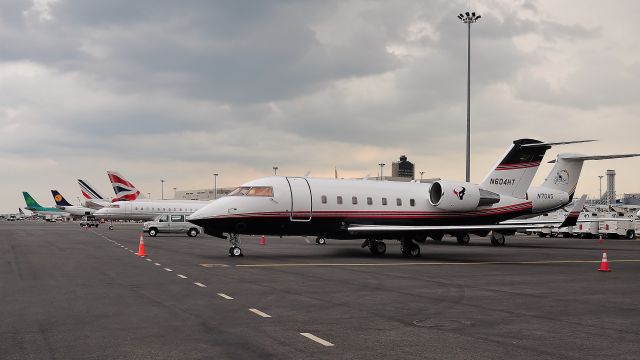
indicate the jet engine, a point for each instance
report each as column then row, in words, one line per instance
column 460, row 196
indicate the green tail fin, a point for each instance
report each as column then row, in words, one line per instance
column 31, row 202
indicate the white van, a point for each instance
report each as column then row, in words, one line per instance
column 171, row 223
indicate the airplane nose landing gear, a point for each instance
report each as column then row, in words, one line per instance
column 235, row 249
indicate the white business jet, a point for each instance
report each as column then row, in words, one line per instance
column 377, row 210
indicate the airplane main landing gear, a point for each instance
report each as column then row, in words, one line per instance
column 377, row 247
column 463, row 239
column 409, row 248
column 497, row 239
column 235, row 249
column 321, row 241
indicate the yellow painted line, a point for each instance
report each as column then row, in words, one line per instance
column 440, row 263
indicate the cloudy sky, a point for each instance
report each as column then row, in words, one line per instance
column 178, row 90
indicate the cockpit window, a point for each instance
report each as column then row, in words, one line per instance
column 252, row 191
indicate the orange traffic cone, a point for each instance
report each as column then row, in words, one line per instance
column 263, row 240
column 604, row 265
column 141, row 247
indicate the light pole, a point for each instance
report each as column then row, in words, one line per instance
column 421, row 173
column 381, row 168
column 600, row 176
column 275, row 170
column 215, row 186
column 469, row 19
column 162, row 189
column 175, row 190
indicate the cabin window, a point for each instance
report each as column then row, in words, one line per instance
column 399, row 202
column 164, row 209
column 323, row 198
column 412, row 202
column 369, row 201
column 354, row 200
column 339, row 200
column 136, row 208
column 180, row 209
column 384, row 201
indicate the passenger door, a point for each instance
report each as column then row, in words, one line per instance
column 301, row 209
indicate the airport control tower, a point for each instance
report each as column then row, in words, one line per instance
column 611, row 186
column 403, row 168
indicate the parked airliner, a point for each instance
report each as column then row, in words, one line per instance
column 76, row 211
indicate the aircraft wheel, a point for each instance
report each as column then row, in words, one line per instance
column 414, row 251
column 553, row 235
column 235, row 251
column 497, row 239
column 378, row 248
column 542, row 235
column 438, row 237
column 321, row 241
column 110, row 227
column 463, row 239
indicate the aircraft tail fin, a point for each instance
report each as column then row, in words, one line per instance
column 88, row 191
column 572, row 216
column 59, row 199
column 514, row 173
column 30, row 201
column 124, row 189
column 566, row 171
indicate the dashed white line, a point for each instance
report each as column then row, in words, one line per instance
column 200, row 284
column 148, row 259
column 260, row 313
column 225, row 296
column 182, row 276
column 316, row 339
column 156, row 264
column 168, row 269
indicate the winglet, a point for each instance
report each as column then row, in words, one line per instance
column 572, row 217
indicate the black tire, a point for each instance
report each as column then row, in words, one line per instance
column 463, row 239
column 542, row 235
column 414, row 251
column 193, row 232
column 236, row 251
column 631, row 234
column 321, row 241
column 378, row 248
column 153, row 232
column 437, row 238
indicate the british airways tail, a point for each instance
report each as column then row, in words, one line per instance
column 59, row 199
column 88, row 191
column 122, row 187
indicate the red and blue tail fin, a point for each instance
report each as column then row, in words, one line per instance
column 122, row 187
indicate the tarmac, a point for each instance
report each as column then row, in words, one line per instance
column 71, row 293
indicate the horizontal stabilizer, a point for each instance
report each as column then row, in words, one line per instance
column 592, row 157
column 558, row 143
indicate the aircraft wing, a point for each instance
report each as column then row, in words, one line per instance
column 570, row 220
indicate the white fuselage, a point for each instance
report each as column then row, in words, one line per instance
column 76, row 211
column 144, row 209
column 305, row 206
